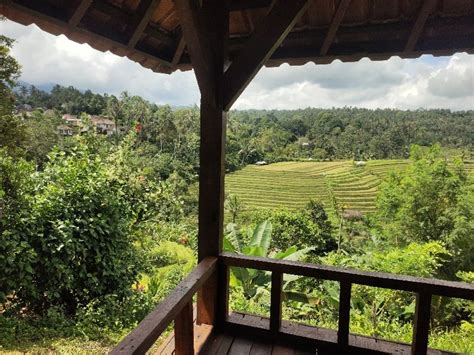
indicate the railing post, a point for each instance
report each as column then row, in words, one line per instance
column 421, row 324
column 275, row 306
column 344, row 315
column 223, row 272
column 184, row 331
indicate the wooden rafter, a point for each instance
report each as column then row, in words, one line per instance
column 335, row 23
column 425, row 10
column 178, row 52
column 124, row 16
column 143, row 15
column 267, row 38
column 238, row 5
column 198, row 44
column 10, row 8
column 79, row 12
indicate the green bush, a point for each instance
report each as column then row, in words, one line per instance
column 296, row 229
column 76, row 228
column 17, row 257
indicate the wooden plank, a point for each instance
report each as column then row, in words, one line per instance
column 184, row 331
column 421, row 324
column 198, row 44
column 241, row 346
column 344, row 315
column 279, row 349
column 149, row 329
column 123, row 16
column 10, row 8
column 178, row 53
column 261, row 348
column 80, row 12
column 225, row 344
column 266, row 39
column 142, row 17
column 425, row 10
column 333, row 27
column 275, row 304
column 375, row 279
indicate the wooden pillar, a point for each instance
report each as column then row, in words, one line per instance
column 212, row 156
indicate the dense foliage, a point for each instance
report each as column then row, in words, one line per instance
column 95, row 229
column 255, row 135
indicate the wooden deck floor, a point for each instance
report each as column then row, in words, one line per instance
column 232, row 345
column 207, row 341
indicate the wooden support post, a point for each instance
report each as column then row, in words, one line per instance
column 344, row 315
column 275, row 305
column 205, row 31
column 421, row 324
column 184, row 331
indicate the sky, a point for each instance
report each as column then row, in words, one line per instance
column 426, row 82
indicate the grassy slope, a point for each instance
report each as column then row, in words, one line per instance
column 293, row 184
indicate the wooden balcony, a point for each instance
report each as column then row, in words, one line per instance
column 238, row 333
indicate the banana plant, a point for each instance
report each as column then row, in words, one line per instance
column 254, row 282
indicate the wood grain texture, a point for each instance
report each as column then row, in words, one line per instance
column 267, row 37
column 333, row 27
column 375, row 279
column 149, row 329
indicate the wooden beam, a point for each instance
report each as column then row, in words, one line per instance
column 425, row 10
column 124, row 16
column 366, row 278
column 150, row 328
column 198, row 44
column 335, row 23
column 15, row 10
column 142, row 17
column 79, row 12
column 178, row 52
column 267, row 38
column 275, row 302
column 238, row 5
column 184, row 331
column 344, row 316
column 421, row 326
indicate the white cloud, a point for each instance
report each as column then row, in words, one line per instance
column 407, row 84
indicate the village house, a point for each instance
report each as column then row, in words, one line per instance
column 103, row 125
column 65, row 130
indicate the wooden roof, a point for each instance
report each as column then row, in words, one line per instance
column 148, row 31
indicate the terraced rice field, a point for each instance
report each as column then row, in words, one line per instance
column 292, row 184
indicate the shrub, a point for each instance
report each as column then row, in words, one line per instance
column 16, row 254
column 76, row 228
column 296, row 228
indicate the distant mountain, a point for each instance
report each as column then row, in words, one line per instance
column 44, row 87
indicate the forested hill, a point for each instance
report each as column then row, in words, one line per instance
column 278, row 135
column 356, row 133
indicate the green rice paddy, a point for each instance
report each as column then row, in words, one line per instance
column 292, row 184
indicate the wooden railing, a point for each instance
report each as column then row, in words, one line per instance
column 424, row 289
column 176, row 307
